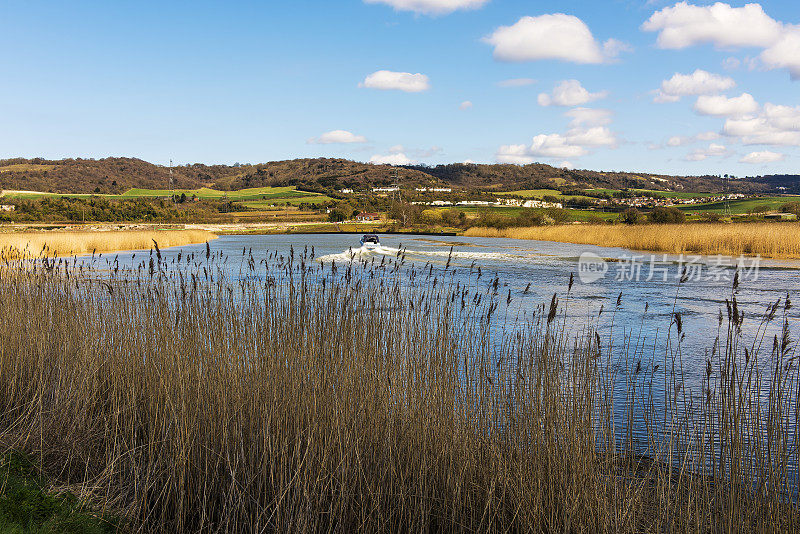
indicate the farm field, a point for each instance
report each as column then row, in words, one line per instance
column 289, row 193
column 739, row 207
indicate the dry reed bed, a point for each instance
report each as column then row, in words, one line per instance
column 306, row 397
column 68, row 243
column 773, row 240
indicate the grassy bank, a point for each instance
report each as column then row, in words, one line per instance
column 309, row 397
column 29, row 504
column 68, row 243
column 766, row 239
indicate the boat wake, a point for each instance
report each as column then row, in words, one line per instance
column 365, row 253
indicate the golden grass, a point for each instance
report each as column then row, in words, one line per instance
column 771, row 240
column 298, row 398
column 67, row 243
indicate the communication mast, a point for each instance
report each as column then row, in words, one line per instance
column 727, row 193
column 171, row 182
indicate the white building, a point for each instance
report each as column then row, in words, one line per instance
column 392, row 189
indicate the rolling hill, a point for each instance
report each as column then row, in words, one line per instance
column 118, row 174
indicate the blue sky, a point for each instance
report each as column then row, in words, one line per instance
column 686, row 88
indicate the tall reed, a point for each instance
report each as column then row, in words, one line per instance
column 68, row 243
column 378, row 396
column 772, row 240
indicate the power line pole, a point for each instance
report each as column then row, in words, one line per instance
column 727, row 188
column 171, row 182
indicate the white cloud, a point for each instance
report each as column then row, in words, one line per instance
column 679, row 140
column 762, row 157
column 702, row 154
column 516, row 82
column 566, row 165
column 684, row 25
column 785, row 52
column 569, row 93
column 613, row 47
column 397, row 158
column 557, row 36
column 573, row 144
column 707, row 136
column 466, row 104
column 402, row 81
column 723, row 26
column 431, row 7
column 396, row 149
column 699, row 82
column 775, row 125
column 722, row 106
column 554, row 146
column 336, row 137
column 589, row 117
column 593, row 137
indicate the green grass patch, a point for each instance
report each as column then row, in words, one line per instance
column 739, row 207
column 26, row 505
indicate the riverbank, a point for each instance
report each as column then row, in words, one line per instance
column 77, row 242
column 769, row 240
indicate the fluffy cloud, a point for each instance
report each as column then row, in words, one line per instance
column 387, row 80
column 431, row 7
column 684, row 25
column 702, row 154
column 558, row 36
column 396, row 158
column 785, row 52
column 573, row 144
column 336, row 137
column 762, row 157
column 722, row 106
column 723, row 26
column 589, row 117
column 516, row 82
column 775, row 125
column 466, row 104
column 699, row 82
column 569, row 93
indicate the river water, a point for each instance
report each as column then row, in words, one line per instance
column 641, row 292
column 530, row 272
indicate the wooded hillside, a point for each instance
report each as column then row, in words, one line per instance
column 116, row 175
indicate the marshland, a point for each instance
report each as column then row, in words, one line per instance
column 272, row 383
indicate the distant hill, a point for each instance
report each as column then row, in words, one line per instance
column 116, row 175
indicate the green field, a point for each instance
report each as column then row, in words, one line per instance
column 288, row 194
column 739, row 207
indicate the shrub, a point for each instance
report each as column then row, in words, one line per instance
column 663, row 215
column 631, row 216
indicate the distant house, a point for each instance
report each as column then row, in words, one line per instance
column 346, row 191
column 7, row 207
column 385, row 189
column 366, row 217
